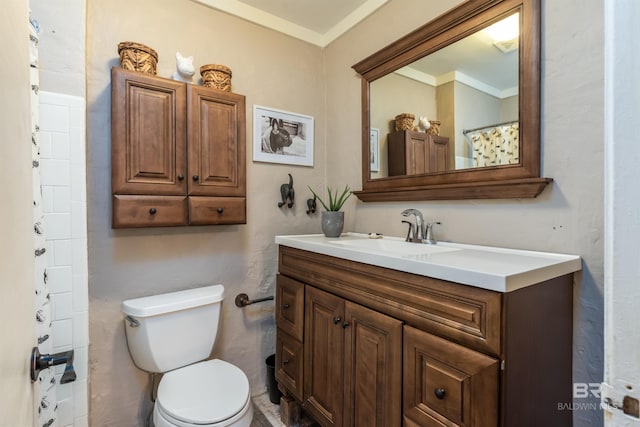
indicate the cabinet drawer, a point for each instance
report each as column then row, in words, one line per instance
column 446, row 383
column 290, row 306
column 149, row 211
column 217, row 210
column 289, row 363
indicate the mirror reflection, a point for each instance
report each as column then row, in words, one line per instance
column 456, row 108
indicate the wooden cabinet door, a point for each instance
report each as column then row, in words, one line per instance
column 148, row 136
column 373, row 368
column 323, row 356
column 216, row 141
column 438, row 154
column 446, row 384
column 417, row 153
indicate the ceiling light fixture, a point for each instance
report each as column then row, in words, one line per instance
column 507, row 29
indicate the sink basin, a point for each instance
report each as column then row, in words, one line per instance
column 394, row 247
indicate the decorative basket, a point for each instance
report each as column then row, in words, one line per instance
column 434, row 129
column 216, row 76
column 137, row 57
column 404, row 121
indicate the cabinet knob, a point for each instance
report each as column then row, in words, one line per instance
column 153, row 211
column 195, row 177
column 220, row 210
column 344, row 325
column 336, row 320
column 439, row 392
column 180, row 177
column 285, row 306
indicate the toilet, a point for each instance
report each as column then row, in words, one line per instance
column 174, row 333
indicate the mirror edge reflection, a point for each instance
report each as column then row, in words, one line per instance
column 520, row 180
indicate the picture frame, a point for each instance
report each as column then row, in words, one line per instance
column 282, row 137
column 374, row 147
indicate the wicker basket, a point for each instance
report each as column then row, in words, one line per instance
column 404, row 121
column 434, row 129
column 137, row 57
column 216, row 76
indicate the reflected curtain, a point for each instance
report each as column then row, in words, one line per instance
column 497, row 145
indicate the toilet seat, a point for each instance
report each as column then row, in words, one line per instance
column 203, row 394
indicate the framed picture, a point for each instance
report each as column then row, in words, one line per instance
column 374, row 147
column 282, row 137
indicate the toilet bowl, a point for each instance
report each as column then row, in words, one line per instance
column 212, row 393
column 174, row 334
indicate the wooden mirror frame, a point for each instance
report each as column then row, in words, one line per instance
column 521, row 180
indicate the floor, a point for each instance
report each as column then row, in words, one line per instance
column 266, row 414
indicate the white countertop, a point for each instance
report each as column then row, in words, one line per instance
column 496, row 269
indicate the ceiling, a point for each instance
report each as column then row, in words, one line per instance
column 315, row 21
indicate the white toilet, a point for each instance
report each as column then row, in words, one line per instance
column 174, row 333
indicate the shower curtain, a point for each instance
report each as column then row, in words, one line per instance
column 497, row 145
column 45, row 384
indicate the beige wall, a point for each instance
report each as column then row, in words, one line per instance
column 271, row 70
column 17, row 325
column 567, row 217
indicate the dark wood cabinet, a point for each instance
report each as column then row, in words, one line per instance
column 323, row 356
column 352, row 365
column 382, row 347
column 412, row 153
column 174, row 139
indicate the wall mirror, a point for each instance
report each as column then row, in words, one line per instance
column 473, row 75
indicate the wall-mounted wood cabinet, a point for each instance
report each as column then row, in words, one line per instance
column 378, row 347
column 412, row 153
column 177, row 153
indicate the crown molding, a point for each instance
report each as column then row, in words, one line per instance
column 265, row 19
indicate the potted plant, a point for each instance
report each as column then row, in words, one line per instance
column 333, row 218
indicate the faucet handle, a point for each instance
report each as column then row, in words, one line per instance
column 409, row 231
column 429, row 238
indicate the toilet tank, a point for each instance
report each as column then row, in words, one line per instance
column 168, row 331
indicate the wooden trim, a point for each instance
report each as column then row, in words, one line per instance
column 508, row 189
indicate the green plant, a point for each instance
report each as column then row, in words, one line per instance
column 335, row 201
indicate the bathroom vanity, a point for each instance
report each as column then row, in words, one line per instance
column 381, row 332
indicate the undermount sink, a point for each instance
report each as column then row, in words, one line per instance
column 393, row 247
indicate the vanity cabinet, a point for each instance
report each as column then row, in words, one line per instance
column 381, row 347
column 412, row 153
column 177, row 153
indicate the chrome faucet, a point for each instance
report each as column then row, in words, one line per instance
column 418, row 231
column 421, row 233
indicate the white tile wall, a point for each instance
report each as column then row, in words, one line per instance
column 62, row 162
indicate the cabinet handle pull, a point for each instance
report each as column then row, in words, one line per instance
column 285, row 306
column 336, row 320
column 180, row 177
column 220, row 210
column 285, row 361
column 344, row 325
column 439, row 392
column 195, row 177
column 153, row 211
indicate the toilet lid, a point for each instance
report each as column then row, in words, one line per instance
column 203, row 393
